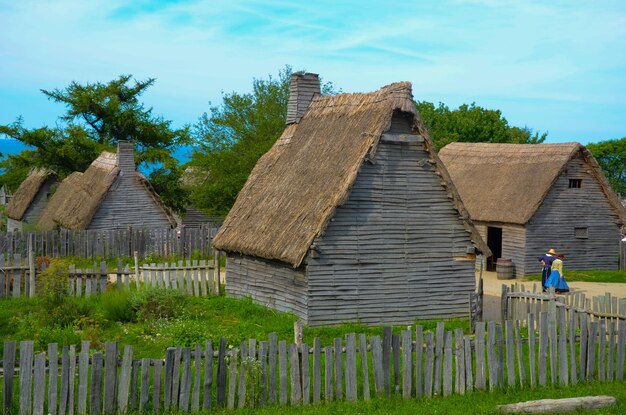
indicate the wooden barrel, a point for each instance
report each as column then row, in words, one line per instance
column 504, row 267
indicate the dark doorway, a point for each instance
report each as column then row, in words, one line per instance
column 494, row 241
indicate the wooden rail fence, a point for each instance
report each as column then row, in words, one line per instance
column 517, row 302
column 109, row 243
column 190, row 277
column 414, row 364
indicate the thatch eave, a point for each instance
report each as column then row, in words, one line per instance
column 26, row 193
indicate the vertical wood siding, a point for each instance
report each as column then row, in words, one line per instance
column 514, row 247
column 195, row 218
column 513, row 244
column 40, row 201
column 14, row 225
column 563, row 210
column 128, row 202
column 273, row 284
column 387, row 254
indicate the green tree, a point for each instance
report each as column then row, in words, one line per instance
column 14, row 169
column 231, row 138
column 611, row 155
column 471, row 123
column 97, row 116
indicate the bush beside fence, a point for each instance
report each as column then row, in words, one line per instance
column 414, row 364
column 193, row 278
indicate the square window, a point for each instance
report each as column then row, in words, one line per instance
column 581, row 233
column 575, row 183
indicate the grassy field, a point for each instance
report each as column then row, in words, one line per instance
column 589, row 276
column 155, row 319
column 472, row 403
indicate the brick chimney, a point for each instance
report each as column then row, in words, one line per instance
column 125, row 156
column 302, row 88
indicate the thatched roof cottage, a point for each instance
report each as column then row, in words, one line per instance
column 110, row 194
column 194, row 217
column 29, row 200
column 351, row 216
column 527, row 198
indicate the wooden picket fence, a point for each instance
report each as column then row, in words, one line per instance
column 414, row 364
column 193, row 278
column 517, row 302
column 110, row 243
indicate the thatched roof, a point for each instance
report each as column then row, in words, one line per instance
column 74, row 207
column 295, row 188
column 63, row 192
column 508, row 182
column 26, row 193
column 79, row 196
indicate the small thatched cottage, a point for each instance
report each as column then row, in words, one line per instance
column 110, row 194
column 527, row 198
column 194, row 217
column 351, row 216
column 28, row 202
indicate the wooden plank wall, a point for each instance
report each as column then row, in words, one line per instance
column 513, row 247
column 513, row 243
column 271, row 283
column 35, row 208
column 412, row 365
column 387, row 254
column 553, row 224
column 111, row 243
column 129, row 202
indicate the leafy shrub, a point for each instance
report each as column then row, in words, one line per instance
column 63, row 314
column 116, row 306
column 42, row 261
column 187, row 332
column 53, row 283
column 156, row 303
column 56, row 334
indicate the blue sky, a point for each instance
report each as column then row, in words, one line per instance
column 558, row 67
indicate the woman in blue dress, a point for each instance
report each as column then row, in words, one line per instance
column 556, row 278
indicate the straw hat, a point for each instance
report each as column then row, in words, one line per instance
column 552, row 251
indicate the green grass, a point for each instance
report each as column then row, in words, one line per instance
column 471, row 403
column 589, row 276
column 125, row 318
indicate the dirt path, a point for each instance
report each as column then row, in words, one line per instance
column 493, row 288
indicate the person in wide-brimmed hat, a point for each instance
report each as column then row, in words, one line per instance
column 546, row 262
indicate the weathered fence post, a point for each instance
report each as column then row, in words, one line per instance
column 504, row 303
column 8, row 365
column 31, row 266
